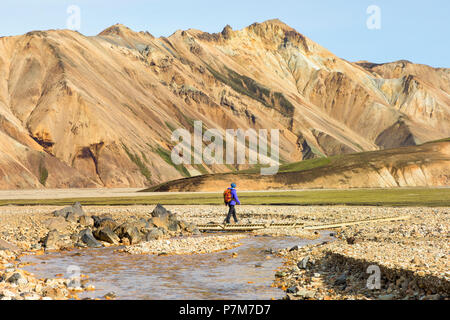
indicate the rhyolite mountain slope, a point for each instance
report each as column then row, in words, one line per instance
column 79, row 111
column 427, row 165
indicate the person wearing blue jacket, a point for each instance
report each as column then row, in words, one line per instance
column 232, row 204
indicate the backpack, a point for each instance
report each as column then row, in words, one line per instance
column 227, row 197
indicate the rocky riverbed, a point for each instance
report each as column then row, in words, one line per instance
column 412, row 255
column 190, row 245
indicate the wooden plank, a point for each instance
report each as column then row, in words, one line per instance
column 252, row 227
column 351, row 223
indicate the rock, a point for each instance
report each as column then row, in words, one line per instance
column 14, row 278
column 57, row 223
column 53, row 240
column 196, row 232
column 174, row 226
column 78, row 209
column 190, row 227
column 4, row 245
column 160, row 212
column 294, row 248
column 304, row 293
column 110, row 295
column 154, row 234
column 63, row 212
column 280, row 274
column 72, row 217
column 183, row 224
column 160, row 222
column 341, row 280
column 351, row 240
column 107, row 235
column 107, row 223
column 134, row 235
column 291, row 290
column 75, row 209
column 129, row 231
column 86, row 221
column 303, row 264
column 88, row 238
column 54, row 292
column 142, row 225
column 97, row 220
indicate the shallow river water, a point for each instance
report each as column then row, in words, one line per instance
column 210, row 276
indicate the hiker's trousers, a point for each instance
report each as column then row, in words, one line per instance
column 231, row 212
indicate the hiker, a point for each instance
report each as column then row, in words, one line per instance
column 231, row 199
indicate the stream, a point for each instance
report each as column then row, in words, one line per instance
column 214, row 276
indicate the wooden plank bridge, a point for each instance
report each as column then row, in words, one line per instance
column 253, row 227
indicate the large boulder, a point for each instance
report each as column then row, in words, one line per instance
column 107, row 223
column 154, row 234
column 76, row 210
column 86, row 221
column 142, row 224
column 53, row 240
column 72, row 217
column 88, row 239
column 63, row 212
column 107, row 235
column 56, row 223
column 160, row 211
column 159, row 222
column 133, row 235
column 174, row 226
column 130, row 231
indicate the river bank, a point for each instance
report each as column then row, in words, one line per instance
column 412, row 255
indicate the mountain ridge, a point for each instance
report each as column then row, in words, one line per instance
column 105, row 105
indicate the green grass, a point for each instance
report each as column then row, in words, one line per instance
column 139, row 163
column 414, row 197
column 43, row 173
column 165, row 155
column 294, row 167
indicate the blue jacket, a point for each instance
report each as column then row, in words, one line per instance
column 235, row 198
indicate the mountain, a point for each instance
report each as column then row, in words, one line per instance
column 427, row 165
column 79, row 111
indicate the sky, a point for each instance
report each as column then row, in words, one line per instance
column 373, row 30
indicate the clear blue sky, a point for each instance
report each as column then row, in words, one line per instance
column 414, row 30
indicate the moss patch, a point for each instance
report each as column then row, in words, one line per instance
column 43, row 173
column 139, row 163
column 165, row 155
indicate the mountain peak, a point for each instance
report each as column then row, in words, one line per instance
column 122, row 31
column 271, row 24
column 116, row 29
